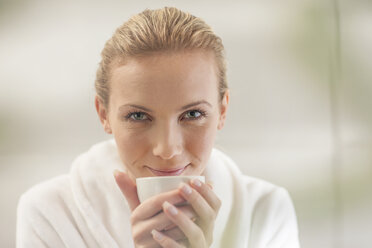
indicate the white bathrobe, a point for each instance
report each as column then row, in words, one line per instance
column 85, row 208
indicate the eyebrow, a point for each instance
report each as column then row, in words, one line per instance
column 196, row 103
column 134, row 106
column 149, row 110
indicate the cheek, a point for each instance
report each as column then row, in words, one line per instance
column 131, row 145
column 199, row 142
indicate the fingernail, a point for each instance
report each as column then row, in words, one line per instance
column 172, row 210
column 196, row 182
column 210, row 184
column 186, row 189
column 157, row 235
column 116, row 172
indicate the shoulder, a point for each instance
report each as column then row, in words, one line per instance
column 263, row 189
column 258, row 190
column 274, row 221
column 39, row 212
column 44, row 195
column 269, row 200
column 265, row 208
column 273, row 217
column 57, row 192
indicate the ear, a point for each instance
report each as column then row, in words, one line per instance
column 102, row 114
column 223, row 110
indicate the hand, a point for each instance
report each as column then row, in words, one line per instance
column 205, row 204
column 149, row 215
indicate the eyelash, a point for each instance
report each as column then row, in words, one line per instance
column 130, row 113
column 128, row 117
column 203, row 114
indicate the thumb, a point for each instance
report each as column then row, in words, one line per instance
column 128, row 188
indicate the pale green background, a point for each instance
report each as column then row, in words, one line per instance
column 300, row 114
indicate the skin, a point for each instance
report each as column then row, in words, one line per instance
column 164, row 112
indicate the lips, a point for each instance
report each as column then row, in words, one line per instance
column 171, row 172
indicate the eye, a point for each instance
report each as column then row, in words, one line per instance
column 194, row 114
column 136, row 116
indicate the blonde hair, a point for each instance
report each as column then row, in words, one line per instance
column 166, row 29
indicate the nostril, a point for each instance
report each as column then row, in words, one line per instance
column 166, row 152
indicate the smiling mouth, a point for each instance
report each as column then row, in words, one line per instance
column 173, row 172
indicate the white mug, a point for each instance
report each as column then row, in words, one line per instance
column 151, row 186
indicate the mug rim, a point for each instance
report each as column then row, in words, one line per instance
column 167, row 177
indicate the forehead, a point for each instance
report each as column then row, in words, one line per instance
column 166, row 77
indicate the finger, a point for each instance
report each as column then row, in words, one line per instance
column 192, row 231
column 206, row 191
column 209, row 184
column 164, row 240
column 175, row 233
column 194, row 219
column 199, row 204
column 187, row 210
column 184, row 243
column 205, row 212
column 160, row 222
column 153, row 205
column 128, row 188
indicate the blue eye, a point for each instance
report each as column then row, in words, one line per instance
column 194, row 114
column 136, row 116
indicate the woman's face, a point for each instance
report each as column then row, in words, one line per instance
column 164, row 112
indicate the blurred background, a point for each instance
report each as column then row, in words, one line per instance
column 300, row 74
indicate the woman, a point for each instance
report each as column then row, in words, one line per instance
column 162, row 93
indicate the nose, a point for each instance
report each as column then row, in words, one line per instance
column 168, row 141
